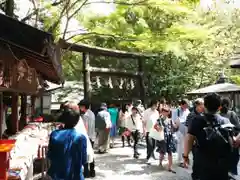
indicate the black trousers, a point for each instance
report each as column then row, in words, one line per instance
column 196, row 167
column 89, row 168
column 234, row 161
column 135, row 135
column 210, row 169
column 128, row 140
column 151, row 143
column 213, row 176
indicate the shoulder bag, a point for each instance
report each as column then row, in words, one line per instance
column 157, row 135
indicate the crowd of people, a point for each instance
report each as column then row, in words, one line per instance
column 209, row 130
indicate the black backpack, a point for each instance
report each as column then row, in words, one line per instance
column 219, row 140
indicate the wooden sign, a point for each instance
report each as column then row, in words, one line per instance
column 24, row 78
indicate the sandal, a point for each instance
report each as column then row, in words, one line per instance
column 181, row 165
column 172, row 171
column 161, row 166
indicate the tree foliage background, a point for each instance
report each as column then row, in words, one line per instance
column 193, row 44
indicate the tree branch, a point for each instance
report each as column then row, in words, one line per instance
column 67, row 23
column 142, row 2
column 65, row 8
column 78, row 9
column 104, row 35
column 29, row 16
column 36, row 9
column 73, row 31
column 69, row 17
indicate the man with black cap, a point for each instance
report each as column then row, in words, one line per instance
column 103, row 125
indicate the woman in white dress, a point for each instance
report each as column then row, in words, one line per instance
column 123, row 117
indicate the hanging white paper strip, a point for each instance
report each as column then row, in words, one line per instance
column 110, row 82
column 98, row 82
column 121, row 83
column 132, row 84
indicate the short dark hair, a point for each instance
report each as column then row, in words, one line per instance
column 225, row 103
column 69, row 117
column 124, row 108
column 84, row 103
column 62, row 106
column 153, row 102
column 163, row 101
column 183, row 102
column 134, row 108
column 212, row 102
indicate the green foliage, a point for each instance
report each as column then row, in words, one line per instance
column 193, row 45
column 72, row 65
column 235, row 79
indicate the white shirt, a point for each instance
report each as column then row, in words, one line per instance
column 150, row 117
column 134, row 123
column 80, row 128
column 123, row 117
column 183, row 115
column 89, row 120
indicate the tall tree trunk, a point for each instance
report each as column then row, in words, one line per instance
column 9, row 8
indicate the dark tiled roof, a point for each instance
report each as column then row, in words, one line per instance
column 217, row 88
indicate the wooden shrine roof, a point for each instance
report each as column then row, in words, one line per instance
column 102, row 51
column 22, row 34
column 29, row 43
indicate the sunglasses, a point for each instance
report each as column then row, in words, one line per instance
column 165, row 110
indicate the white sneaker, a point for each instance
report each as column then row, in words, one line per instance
column 149, row 161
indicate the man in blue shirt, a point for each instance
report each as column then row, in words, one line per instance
column 67, row 149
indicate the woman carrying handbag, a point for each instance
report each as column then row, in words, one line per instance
column 134, row 125
column 122, row 131
column 168, row 144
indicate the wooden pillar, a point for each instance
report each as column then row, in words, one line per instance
column 41, row 104
column 23, row 110
column 33, row 99
column 1, row 115
column 141, row 79
column 14, row 115
column 86, row 76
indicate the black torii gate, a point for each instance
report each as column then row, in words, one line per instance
column 93, row 71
